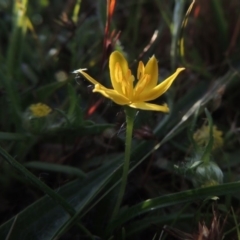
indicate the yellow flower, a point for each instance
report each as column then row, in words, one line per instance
column 40, row 110
column 125, row 92
column 201, row 136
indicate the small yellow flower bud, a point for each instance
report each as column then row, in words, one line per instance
column 40, row 110
column 201, row 137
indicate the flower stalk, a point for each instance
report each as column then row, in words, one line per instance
column 130, row 115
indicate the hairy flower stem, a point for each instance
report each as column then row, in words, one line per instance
column 130, row 114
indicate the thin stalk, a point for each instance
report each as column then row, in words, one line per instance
column 130, row 114
column 208, row 149
column 76, row 11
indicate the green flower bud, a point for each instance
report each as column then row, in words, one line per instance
column 207, row 174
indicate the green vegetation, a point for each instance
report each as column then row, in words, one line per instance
column 62, row 146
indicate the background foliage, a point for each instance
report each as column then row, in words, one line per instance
column 60, row 173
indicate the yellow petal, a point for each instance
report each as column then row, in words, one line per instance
column 147, row 77
column 141, row 70
column 160, row 88
column 118, row 72
column 89, row 78
column 111, row 94
column 150, row 106
column 152, row 70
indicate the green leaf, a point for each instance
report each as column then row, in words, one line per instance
column 93, row 129
column 73, row 99
column 34, row 180
column 75, row 113
column 178, row 15
column 173, row 199
column 139, row 226
column 221, row 22
column 11, row 136
column 44, row 218
column 56, row 168
column 46, row 91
